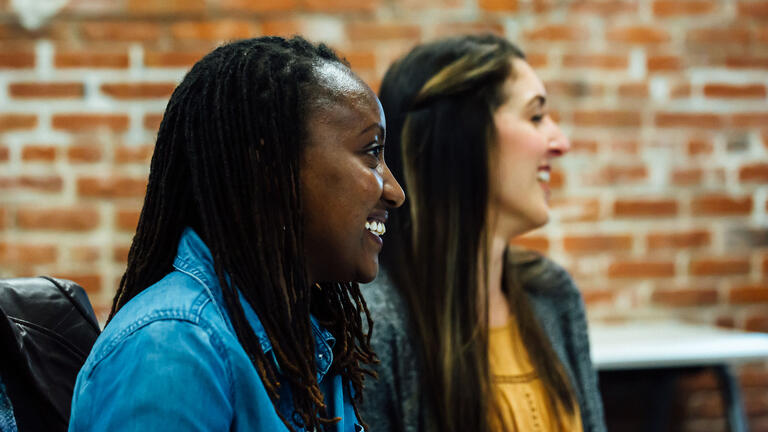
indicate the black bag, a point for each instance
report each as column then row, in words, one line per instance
column 47, row 329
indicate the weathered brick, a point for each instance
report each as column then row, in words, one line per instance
column 643, row 35
column 372, row 31
column 692, row 120
column 617, row 174
column 84, row 153
column 145, row 90
column 679, row 240
column 85, row 122
column 85, row 254
column 719, row 266
column 26, row 254
column 152, row 121
column 606, row 118
column 17, row 122
column 218, row 30
column 645, row 208
column 121, row 31
column 711, row 205
column 166, row 7
column 699, row 147
column 595, row 61
column 154, row 58
column 717, row 36
column 749, row 293
column 38, row 153
column 753, row 9
column 687, row 176
column 555, row 32
column 720, row 90
column 17, row 60
column 685, row 8
column 499, row 5
column 329, row 6
column 597, row 243
column 127, row 219
column 134, row 154
column 641, row 269
column 258, row 6
column 685, row 297
column 111, row 187
column 120, row 253
column 91, row 282
column 757, row 119
column 601, row 7
column 91, row 59
column 46, row 90
column 633, row 90
column 58, row 218
column 755, row 172
column 663, row 63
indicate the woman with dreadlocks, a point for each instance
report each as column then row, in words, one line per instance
column 239, row 309
column 472, row 334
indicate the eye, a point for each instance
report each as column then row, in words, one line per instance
column 375, row 152
column 538, row 118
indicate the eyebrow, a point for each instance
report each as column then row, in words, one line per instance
column 375, row 126
column 540, row 99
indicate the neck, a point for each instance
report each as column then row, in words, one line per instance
column 498, row 307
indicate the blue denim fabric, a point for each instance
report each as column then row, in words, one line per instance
column 170, row 361
column 7, row 420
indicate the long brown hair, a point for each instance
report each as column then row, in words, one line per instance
column 226, row 163
column 439, row 101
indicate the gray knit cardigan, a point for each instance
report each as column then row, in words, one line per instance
column 395, row 403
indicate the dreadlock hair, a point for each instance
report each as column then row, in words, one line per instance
column 439, row 101
column 226, row 163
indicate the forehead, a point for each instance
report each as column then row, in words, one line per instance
column 524, row 84
column 343, row 97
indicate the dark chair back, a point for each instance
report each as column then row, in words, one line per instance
column 47, row 329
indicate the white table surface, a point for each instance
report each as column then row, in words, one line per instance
column 636, row 345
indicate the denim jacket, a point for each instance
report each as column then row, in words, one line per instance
column 170, row 361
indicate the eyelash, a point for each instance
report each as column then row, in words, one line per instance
column 375, row 151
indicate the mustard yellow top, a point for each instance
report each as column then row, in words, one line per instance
column 518, row 390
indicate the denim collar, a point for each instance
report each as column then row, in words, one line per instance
column 194, row 259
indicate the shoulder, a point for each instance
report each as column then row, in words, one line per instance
column 174, row 312
column 541, row 277
column 387, row 308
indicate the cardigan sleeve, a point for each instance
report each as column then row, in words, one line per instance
column 391, row 401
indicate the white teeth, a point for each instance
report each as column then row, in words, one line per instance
column 376, row 227
column 543, row 176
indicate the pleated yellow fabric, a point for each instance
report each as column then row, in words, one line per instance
column 519, row 393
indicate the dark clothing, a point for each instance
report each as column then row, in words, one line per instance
column 47, row 328
column 395, row 403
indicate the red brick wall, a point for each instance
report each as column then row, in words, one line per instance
column 660, row 208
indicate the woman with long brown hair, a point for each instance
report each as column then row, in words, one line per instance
column 240, row 309
column 472, row 334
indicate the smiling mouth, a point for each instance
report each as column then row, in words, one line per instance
column 375, row 227
column 543, row 175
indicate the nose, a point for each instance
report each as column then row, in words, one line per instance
column 559, row 144
column 393, row 195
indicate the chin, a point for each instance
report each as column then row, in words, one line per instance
column 368, row 274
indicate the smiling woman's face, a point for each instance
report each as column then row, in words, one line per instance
column 346, row 186
column 527, row 139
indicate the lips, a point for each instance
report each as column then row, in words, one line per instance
column 376, row 223
column 543, row 174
